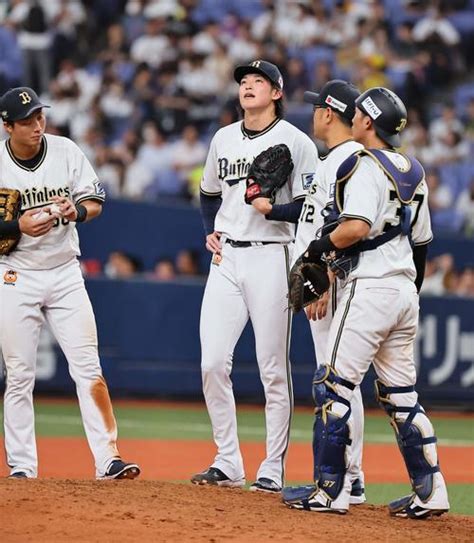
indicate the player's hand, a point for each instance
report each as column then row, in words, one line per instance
column 213, row 243
column 66, row 207
column 36, row 222
column 318, row 309
column 262, row 205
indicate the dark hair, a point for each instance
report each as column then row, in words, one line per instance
column 344, row 120
column 279, row 105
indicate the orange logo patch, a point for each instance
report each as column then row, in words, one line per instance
column 10, row 277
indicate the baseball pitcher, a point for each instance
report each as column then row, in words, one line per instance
column 255, row 178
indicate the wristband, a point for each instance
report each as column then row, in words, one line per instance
column 81, row 213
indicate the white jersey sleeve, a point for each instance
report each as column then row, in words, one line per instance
column 421, row 231
column 210, row 183
column 304, row 156
column 362, row 194
column 84, row 180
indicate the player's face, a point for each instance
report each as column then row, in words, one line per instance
column 360, row 124
column 256, row 92
column 319, row 114
column 29, row 131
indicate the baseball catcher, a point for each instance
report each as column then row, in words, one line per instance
column 268, row 172
column 10, row 205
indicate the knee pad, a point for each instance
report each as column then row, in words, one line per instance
column 415, row 437
column 331, row 433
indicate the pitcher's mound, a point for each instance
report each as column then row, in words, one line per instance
column 141, row 511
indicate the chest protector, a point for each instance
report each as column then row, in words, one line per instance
column 405, row 182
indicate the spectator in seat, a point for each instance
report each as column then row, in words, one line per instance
column 122, row 265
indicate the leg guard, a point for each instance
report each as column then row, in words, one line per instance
column 415, row 437
column 331, row 434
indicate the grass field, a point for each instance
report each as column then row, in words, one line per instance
column 191, row 422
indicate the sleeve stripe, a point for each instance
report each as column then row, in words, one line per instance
column 300, row 197
column 206, row 193
column 423, row 242
column 90, row 197
column 365, row 219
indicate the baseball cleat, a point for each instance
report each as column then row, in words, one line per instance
column 18, row 475
column 216, row 477
column 412, row 507
column 119, row 469
column 357, row 493
column 310, row 498
column 263, row 484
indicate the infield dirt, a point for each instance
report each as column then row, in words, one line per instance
column 55, row 510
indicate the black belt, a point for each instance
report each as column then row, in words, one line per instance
column 234, row 243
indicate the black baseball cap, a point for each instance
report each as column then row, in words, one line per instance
column 263, row 67
column 337, row 94
column 19, row 103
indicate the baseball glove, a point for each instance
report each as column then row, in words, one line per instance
column 10, row 205
column 268, row 172
column 308, row 282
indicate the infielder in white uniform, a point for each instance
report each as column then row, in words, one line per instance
column 334, row 108
column 382, row 202
column 249, row 273
column 41, row 280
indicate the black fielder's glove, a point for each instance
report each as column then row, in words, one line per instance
column 268, row 172
column 308, row 282
column 10, row 205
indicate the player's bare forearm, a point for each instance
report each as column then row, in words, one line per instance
column 349, row 232
column 94, row 209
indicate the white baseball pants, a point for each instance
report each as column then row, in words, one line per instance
column 250, row 282
column 59, row 296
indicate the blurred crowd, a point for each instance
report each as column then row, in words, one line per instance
column 142, row 85
column 442, row 278
column 123, row 265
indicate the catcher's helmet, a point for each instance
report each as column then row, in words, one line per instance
column 387, row 111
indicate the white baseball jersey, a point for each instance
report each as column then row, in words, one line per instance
column 321, row 193
column 63, row 171
column 370, row 196
column 235, row 219
column 42, row 280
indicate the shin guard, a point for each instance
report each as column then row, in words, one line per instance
column 331, row 434
column 415, row 437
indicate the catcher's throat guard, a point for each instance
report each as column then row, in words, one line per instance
column 10, row 206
